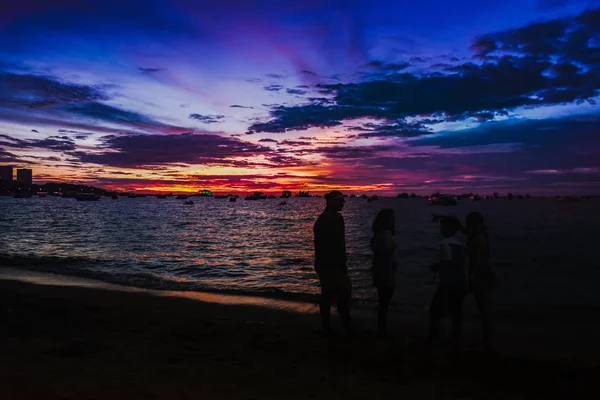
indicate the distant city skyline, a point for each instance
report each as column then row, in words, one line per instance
column 381, row 96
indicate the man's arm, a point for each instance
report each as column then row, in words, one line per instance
column 341, row 240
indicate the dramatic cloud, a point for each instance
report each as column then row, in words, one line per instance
column 296, row 91
column 550, row 63
column 36, row 91
column 103, row 112
column 55, row 143
column 8, row 157
column 188, row 148
column 207, row 119
column 239, row 106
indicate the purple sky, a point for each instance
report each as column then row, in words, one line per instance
column 383, row 96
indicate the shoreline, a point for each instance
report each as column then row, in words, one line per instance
column 558, row 331
column 74, row 341
column 227, row 298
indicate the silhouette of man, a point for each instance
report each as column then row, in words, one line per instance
column 330, row 262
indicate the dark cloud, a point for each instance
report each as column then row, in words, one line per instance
column 46, row 100
column 207, row 119
column 304, row 117
column 8, row 157
column 546, row 63
column 273, row 88
column 37, row 91
column 551, row 5
column 33, row 130
column 350, row 152
column 76, row 134
column 307, row 72
column 397, row 129
column 296, row 91
column 188, row 148
column 55, row 143
column 267, row 141
column 151, row 70
column 104, row 112
column 380, row 65
column 275, row 76
column 294, row 143
column 239, row 106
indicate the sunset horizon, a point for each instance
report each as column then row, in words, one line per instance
column 323, row 95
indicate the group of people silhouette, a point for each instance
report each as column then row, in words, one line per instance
column 462, row 268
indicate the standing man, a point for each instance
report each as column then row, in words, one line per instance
column 330, row 262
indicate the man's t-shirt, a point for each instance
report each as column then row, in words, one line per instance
column 453, row 257
column 330, row 241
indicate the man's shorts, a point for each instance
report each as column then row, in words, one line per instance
column 334, row 281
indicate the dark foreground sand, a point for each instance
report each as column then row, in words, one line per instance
column 81, row 343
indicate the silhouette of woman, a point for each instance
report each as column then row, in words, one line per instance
column 384, row 265
column 482, row 280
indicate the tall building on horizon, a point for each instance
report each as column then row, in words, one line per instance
column 6, row 173
column 25, row 175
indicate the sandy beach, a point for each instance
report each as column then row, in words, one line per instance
column 70, row 342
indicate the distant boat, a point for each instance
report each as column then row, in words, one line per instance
column 205, row 193
column 443, row 201
column 257, row 196
column 570, row 199
column 162, row 196
column 87, row 197
column 188, row 203
column 232, row 199
column 181, row 197
column 286, row 194
column 260, row 195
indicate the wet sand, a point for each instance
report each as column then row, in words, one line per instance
column 71, row 342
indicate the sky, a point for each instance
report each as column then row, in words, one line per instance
column 362, row 96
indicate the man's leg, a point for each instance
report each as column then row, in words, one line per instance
column 343, row 302
column 325, row 309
